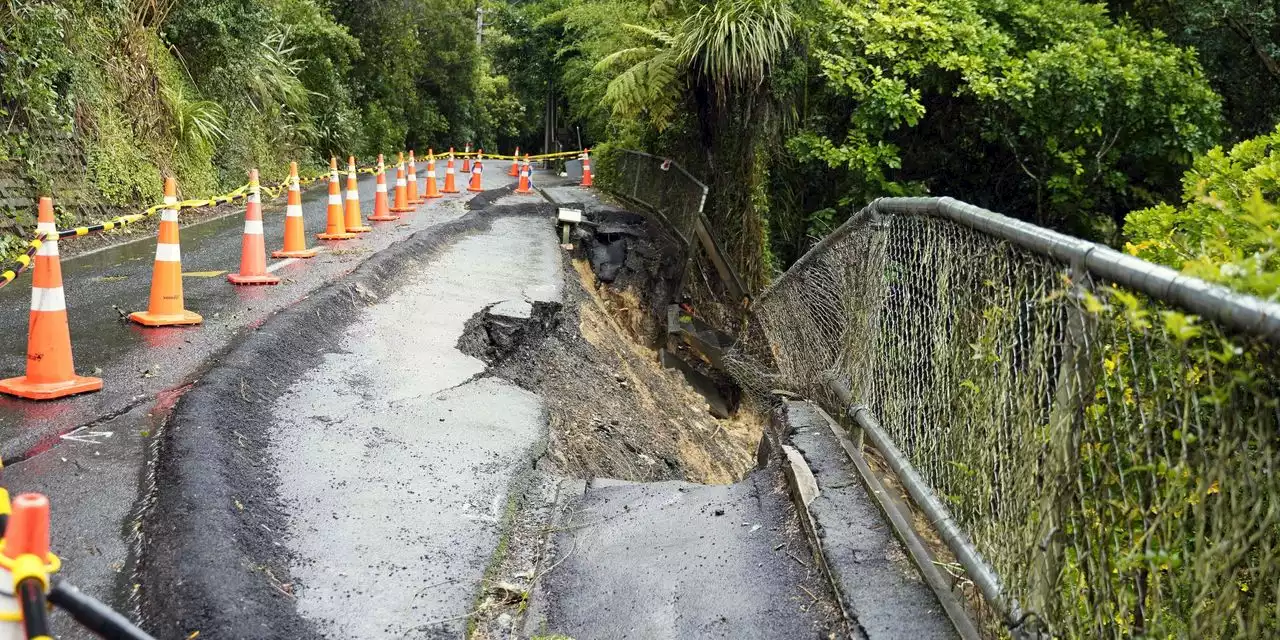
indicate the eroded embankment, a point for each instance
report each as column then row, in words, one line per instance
column 614, row 410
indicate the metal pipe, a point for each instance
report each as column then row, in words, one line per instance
column 900, row 518
column 1240, row 312
column 675, row 164
column 960, row 545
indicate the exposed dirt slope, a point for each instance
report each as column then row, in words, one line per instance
column 614, row 411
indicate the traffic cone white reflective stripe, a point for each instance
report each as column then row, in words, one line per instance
column 335, row 198
column 354, row 223
column 295, row 232
column 48, row 298
column 45, row 296
column 254, row 226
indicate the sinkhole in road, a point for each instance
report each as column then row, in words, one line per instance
column 614, row 411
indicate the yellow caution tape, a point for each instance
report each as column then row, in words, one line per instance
column 541, row 156
column 24, row 259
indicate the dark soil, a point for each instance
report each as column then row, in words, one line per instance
column 615, row 412
column 639, row 265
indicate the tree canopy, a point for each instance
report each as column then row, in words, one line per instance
column 1067, row 113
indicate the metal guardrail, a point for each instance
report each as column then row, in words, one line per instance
column 1094, row 437
column 668, row 190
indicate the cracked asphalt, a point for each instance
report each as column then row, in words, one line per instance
column 393, row 459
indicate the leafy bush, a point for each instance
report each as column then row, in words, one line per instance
column 35, row 77
column 1228, row 227
column 1070, row 114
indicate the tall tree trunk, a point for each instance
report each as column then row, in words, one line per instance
column 732, row 132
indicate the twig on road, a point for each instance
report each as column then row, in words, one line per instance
column 802, row 562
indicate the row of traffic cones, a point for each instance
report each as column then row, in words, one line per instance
column 50, row 372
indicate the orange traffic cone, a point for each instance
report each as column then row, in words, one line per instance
column 295, row 232
column 253, row 252
column 50, row 372
column 466, row 160
column 586, row 168
column 27, row 531
column 433, row 190
column 515, row 164
column 165, row 308
column 380, row 211
column 414, row 193
column 336, row 227
column 477, row 173
column 353, row 222
column 402, row 197
column 525, row 174
column 449, row 186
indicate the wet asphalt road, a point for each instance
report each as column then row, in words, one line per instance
column 394, row 461
column 88, row 453
column 680, row 560
column 137, row 362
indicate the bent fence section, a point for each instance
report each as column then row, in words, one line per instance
column 664, row 187
column 1095, row 438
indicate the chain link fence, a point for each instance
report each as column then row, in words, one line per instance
column 1097, row 439
column 1103, row 433
column 667, row 189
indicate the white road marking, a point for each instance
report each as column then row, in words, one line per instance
column 282, row 263
column 87, row 437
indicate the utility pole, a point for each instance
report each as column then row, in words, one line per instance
column 479, row 25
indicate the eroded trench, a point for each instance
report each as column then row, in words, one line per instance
column 614, row 410
column 633, row 447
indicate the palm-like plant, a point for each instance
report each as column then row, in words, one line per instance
column 648, row 87
column 730, row 45
column 727, row 46
column 716, row 60
column 195, row 123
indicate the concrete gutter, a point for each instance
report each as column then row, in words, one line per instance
column 843, row 508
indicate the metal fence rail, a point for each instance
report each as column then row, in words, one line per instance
column 1098, row 437
column 664, row 187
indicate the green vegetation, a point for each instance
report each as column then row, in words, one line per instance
column 1066, row 113
column 101, row 97
column 1227, row 228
